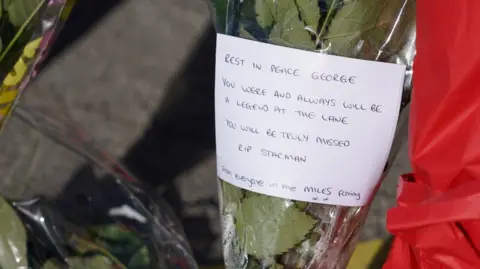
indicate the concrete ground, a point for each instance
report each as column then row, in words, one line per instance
column 140, row 83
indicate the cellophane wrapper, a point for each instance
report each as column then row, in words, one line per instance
column 374, row 30
column 64, row 202
column 67, row 204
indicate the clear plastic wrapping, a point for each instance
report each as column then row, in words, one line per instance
column 260, row 231
column 68, row 204
column 64, row 203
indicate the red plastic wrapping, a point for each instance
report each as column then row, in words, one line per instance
column 437, row 221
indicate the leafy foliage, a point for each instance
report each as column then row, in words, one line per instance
column 268, row 226
column 13, row 238
column 220, row 8
column 232, row 196
column 19, row 11
column 282, row 19
column 351, row 28
column 16, row 20
column 362, row 27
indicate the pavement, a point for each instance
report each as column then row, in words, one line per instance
column 140, row 82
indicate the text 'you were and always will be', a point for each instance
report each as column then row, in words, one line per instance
column 302, row 100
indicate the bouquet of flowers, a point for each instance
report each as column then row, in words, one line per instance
column 264, row 229
column 64, row 202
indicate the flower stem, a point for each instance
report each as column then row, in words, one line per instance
column 326, row 22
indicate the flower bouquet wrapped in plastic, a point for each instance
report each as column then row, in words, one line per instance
column 308, row 95
column 67, row 204
column 64, row 202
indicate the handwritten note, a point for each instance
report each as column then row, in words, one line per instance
column 303, row 125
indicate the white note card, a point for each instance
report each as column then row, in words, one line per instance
column 302, row 125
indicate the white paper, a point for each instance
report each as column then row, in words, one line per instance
column 283, row 127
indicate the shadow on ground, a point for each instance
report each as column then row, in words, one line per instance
column 181, row 135
column 181, row 132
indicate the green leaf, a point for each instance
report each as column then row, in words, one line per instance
column 310, row 13
column 264, row 10
column 289, row 30
column 51, row 264
column 232, row 196
column 245, row 34
column 274, row 11
column 83, row 246
column 249, row 26
column 268, row 226
column 13, row 238
column 117, row 239
column 251, row 193
column 6, row 3
column 247, row 11
column 19, row 11
column 253, row 264
column 98, row 262
column 361, row 28
column 220, row 9
column 117, row 233
column 301, row 205
column 140, row 260
column 95, row 262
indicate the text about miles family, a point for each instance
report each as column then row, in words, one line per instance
column 302, row 125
